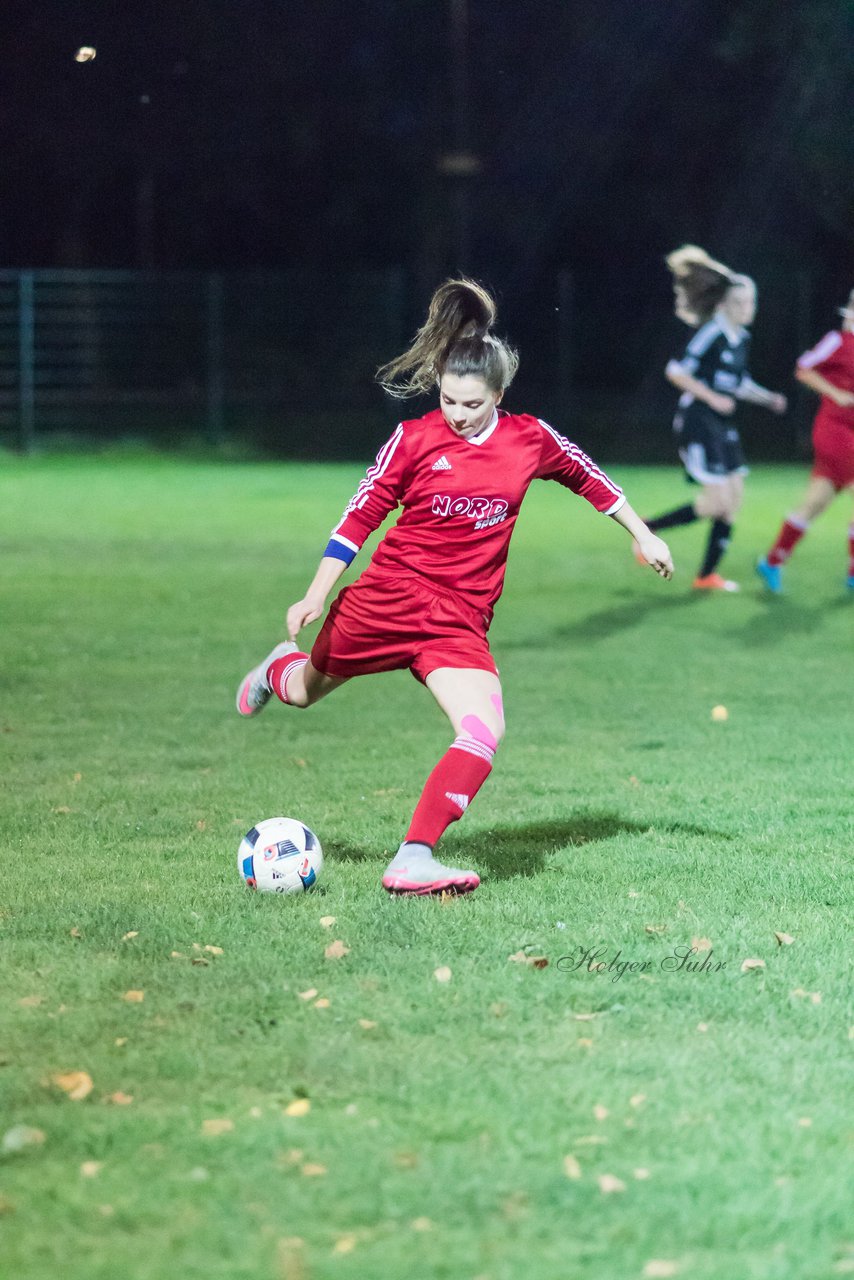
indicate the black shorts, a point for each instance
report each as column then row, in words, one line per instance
column 709, row 446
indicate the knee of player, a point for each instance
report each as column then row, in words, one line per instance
column 487, row 735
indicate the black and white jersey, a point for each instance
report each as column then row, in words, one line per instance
column 717, row 356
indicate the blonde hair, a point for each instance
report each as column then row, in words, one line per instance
column 455, row 338
column 700, row 284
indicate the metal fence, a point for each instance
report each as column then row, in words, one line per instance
column 110, row 353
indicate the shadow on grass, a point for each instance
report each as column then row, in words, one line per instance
column 522, row 850
column 596, row 626
column 780, row 619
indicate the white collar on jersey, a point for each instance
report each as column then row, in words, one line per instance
column 483, row 436
column 733, row 336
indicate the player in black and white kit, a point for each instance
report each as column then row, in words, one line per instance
column 712, row 376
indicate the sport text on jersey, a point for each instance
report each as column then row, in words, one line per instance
column 484, row 511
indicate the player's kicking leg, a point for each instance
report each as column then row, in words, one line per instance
column 287, row 672
column 471, row 699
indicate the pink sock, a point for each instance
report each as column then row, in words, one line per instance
column 450, row 789
column 279, row 671
column 790, row 534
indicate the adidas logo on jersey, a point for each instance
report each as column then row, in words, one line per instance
column 462, row 802
column 442, row 465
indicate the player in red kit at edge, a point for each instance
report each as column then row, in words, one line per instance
column 827, row 369
column 426, row 599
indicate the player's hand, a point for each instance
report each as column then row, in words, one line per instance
column 779, row 404
column 657, row 554
column 302, row 613
column 845, row 399
column 721, row 404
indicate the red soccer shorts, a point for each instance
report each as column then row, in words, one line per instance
column 833, row 444
column 389, row 621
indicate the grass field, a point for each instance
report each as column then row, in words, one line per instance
column 514, row 1121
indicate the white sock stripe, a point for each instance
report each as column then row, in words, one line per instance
column 287, row 673
column 474, row 748
column 797, row 523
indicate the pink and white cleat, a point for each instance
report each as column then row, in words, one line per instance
column 254, row 691
column 414, row 870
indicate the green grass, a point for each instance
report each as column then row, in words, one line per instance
column 135, row 592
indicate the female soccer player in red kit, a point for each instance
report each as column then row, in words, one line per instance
column 829, row 370
column 426, row 599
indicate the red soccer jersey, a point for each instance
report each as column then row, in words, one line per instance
column 461, row 498
column 833, row 358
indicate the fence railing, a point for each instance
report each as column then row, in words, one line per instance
column 107, row 352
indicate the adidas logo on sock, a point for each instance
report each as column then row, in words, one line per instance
column 442, row 465
column 461, row 801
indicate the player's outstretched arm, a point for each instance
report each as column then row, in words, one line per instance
column 773, row 400
column 654, row 550
column 817, row 382
column 313, row 602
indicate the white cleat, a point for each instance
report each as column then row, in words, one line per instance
column 254, row 691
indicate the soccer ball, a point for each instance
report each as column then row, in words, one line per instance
column 280, row 855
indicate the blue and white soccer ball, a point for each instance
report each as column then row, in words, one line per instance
column 280, row 855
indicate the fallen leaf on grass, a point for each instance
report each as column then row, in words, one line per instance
column 753, row 963
column 214, row 951
column 421, row 1224
column 584, row 1042
column 119, row 1041
column 307, row 995
column 312, row 1170
column 120, row 1099
column 406, row 1159
column 600, row 1112
column 608, row 1183
column 591, row 1140
column 214, row 1127
column 62, row 808
column 326, row 922
column 91, row 1168
column 201, row 961
column 813, row 996
column 289, row 1259
column 637, row 1099
column 571, row 1167
column 844, row 1267
column 30, row 1002
column 76, row 1084
column 783, row 939
column 585, row 1017
column 336, row 950
column 660, row 1269
column 299, row 1107
column 499, row 1009
column 654, row 928
column 442, row 974
column 322, row 1003
column 701, row 944
column 134, row 997
column 201, row 825
column 536, row 962
column 702, row 1026
column 78, row 777
column 366, row 1024
column 641, row 1174
column 345, row 1244
column 75, row 932
column 805, row 1122
column 133, row 933
column 633, row 893
column 21, row 1137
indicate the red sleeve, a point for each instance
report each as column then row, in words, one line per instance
column 563, row 461
column 377, row 495
column 822, row 352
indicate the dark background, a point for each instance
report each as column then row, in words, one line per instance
column 325, row 137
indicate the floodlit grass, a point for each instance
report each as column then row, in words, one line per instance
column 619, row 817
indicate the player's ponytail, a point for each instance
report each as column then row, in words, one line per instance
column 455, row 338
column 700, row 284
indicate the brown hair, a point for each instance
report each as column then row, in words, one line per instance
column 699, row 283
column 455, row 338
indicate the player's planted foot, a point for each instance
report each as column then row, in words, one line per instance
column 254, row 691
column 413, row 869
column 714, row 582
column 771, row 575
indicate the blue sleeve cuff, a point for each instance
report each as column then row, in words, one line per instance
column 339, row 550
